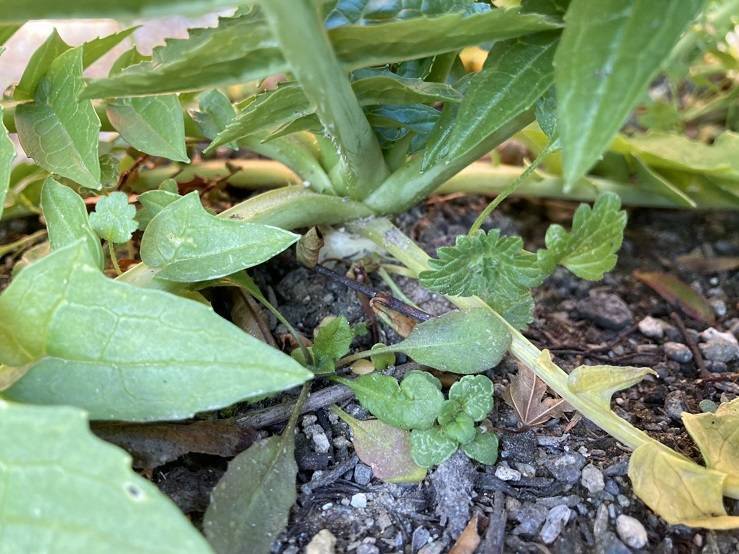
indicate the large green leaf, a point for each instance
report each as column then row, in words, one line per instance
column 370, row 11
column 67, row 220
column 59, row 131
column 516, row 74
column 21, row 10
column 7, row 154
column 153, row 124
column 242, row 49
column 610, row 51
column 188, row 244
column 122, row 352
column 38, row 65
column 65, row 490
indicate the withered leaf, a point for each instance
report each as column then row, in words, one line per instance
column 469, row 540
column 525, row 395
column 678, row 293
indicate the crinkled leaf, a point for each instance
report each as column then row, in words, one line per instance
column 243, row 49
column 475, row 394
column 679, row 293
column 152, row 124
column 114, row 219
column 332, row 342
column 589, row 249
column 679, row 490
column 516, row 73
column 415, row 403
column 251, row 503
column 598, row 85
column 717, row 436
column 484, row 448
column 122, row 352
column 460, row 341
column 58, row 130
column 525, row 394
column 38, row 65
column 599, row 382
column 386, row 449
column 516, row 307
column 460, row 428
column 67, row 221
column 65, row 490
column 153, row 202
column 188, row 244
column 430, row 447
column 7, row 155
column 215, row 113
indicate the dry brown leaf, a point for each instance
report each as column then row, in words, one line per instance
column 469, row 540
column 309, row 247
column 401, row 324
column 678, row 293
column 702, row 264
column 525, row 395
column 247, row 314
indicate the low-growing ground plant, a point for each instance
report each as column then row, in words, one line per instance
column 372, row 107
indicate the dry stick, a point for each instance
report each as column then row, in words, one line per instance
column 383, row 297
column 704, row 373
column 495, row 535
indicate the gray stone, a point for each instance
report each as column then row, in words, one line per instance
column 651, row 327
column 506, row 473
column 608, row 543
column 720, row 350
column 421, row 537
column 631, row 531
column 556, row 520
column 678, row 352
column 675, row 405
column 592, row 479
column 530, row 517
column 362, row 474
column 367, row 549
column 619, row 468
column 567, row 467
column 359, row 500
column 612, row 487
column 606, row 310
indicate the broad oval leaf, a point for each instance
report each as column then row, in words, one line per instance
column 717, row 436
column 67, row 220
column 483, row 448
column 188, row 244
column 7, row 155
column 58, row 130
column 431, row 447
column 461, row 342
column 250, row 504
column 153, row 124
column 610, row 51
column 122, row 352
column 332, row 341
column 69, row 491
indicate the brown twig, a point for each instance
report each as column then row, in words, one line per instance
column 389, row 301
column 704, row 373
column 494, row 542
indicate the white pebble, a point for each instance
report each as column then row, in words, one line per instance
column 631, row 531
column 506, row 473
column 359, row 500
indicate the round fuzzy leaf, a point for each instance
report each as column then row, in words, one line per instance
column 430, row 447
column 484, row 448
column 114, row 218
column 475, row 394
column 461, row 429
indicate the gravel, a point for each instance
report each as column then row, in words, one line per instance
column 362, row 474
column 675, row 405
column 359, row 500
column 505, row 473
column 651, row 327
column 678, row 352
column 530, row 517
column 720, row 350
column 556, row 520
column 631, row 531
column 607, row 310
column 592, row 479
column 567, row 467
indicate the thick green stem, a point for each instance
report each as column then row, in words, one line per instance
column 409, row 185
column 305, row 44
column 441, row 67
column 385, row 234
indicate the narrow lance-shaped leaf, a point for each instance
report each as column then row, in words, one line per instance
column 188, row 244
column 54, row 496
column 599, row 84
column 7, row 155
column 122, row 352
column 59, row 131
column 67, row 220
column 386, row 449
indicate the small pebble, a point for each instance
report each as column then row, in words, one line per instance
column 631, row 531
column 567, row 467
column 367, row 549
column 526, row 470
column 720, row 350
column 719, row 306
column 712, row 333
column 592, row 479
column 606, row 310
column 651, row 327
column 359, row 500
column 420, row 538
column 678, row 352
column 362, row 474
column 675, row 405
column 320, row 442
column 505, row 473
column 556, row 520
column 530, row 517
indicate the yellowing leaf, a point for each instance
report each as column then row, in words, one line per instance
column 680, row 491
column 717, row 436
column 601, row 381
column 677, row 292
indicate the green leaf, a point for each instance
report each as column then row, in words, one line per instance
column 369, row 12
column 20, row 10
column 332, row 342
column 517, row 72
column 460, row 428
column 516, row 307
column 59, row 131
column 484, row 448
column 589, row 249
column 243, row 49
column 599, row 382
column 460, row 342
column 96, row 48
column 114, row 219
column 413, row 404
column 216, row 111
column 38, row 65
column 7, row 31
column 546, row 113
column 127, row 353
column 188, row 244
column 65, row 490
column 152, row 124
column 386, row 449
column 67, row 221
column 475, row 395
column 251, row 503
column 153, row 202
column 599, row 84
column 430, row 447
column 383, row 360
column 7, row 155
